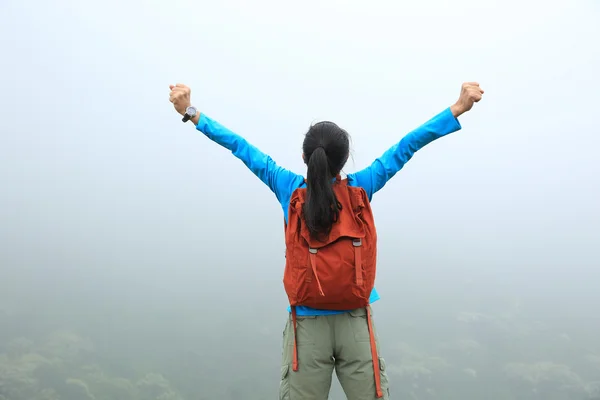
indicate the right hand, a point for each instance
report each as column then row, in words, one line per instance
column 470, row 93
column 180, row 97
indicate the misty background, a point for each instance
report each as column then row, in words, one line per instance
column 139, row 260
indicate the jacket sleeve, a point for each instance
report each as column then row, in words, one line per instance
column 280, row 180
column 376, row 175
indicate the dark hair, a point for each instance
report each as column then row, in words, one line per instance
column 326, row 148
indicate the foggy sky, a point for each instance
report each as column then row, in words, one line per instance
column 104, row 190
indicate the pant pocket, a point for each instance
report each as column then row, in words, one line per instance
column 358, row 322
column 305, row 329
column 284, row 384
column 385, row 384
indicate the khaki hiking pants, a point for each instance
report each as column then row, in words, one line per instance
column 325, row 343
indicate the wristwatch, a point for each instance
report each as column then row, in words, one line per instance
column 190, row 113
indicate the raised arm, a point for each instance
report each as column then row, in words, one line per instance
column 280, row 180
column 376, row 175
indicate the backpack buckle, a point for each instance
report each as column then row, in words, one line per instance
column 357, row 242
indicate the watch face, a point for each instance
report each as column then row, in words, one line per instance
column 190, row 111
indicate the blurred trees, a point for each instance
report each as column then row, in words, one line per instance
column 65, row 367
column 476, row 356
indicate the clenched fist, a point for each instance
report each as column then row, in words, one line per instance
column 470, row 93
column 180, row 97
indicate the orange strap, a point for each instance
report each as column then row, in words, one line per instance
column 295, row 356
column 313, row 264
column 358, row 261
column 374, row 355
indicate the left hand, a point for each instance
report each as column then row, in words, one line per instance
column 180, row 97
column 470, row 93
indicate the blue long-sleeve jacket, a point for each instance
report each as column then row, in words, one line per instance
column 283, row 182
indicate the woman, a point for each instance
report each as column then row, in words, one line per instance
column 335, row 338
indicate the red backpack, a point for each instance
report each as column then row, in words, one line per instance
column 339, row 272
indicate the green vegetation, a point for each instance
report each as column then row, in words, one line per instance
column 65, row 366
column 470, row 356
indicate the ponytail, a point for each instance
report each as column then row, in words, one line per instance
column 321, row 208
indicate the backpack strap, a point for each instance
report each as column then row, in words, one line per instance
column 357, row 243
column 295, row 356
column 374, row 355
column 313, row 264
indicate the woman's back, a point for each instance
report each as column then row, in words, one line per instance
column 326, row 237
